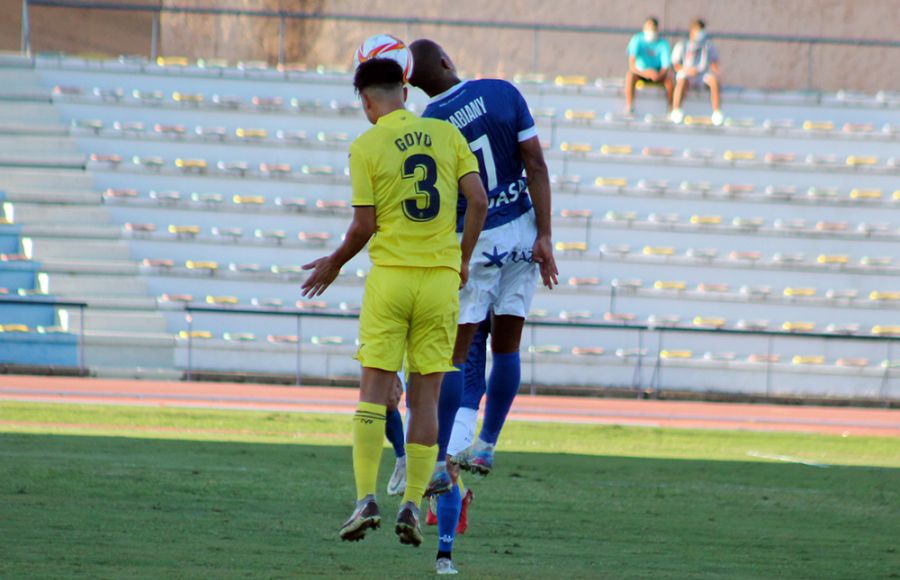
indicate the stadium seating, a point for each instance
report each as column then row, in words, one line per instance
column 213, row 185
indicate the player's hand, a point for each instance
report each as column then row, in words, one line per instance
column 542, row 254
column 463, row 274
column 324, row 271
column 690, row 71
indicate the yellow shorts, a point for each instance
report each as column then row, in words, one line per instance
column 412, row 311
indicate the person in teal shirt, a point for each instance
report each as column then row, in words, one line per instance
column 649, row 59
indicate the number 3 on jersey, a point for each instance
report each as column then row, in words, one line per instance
column 425, row 189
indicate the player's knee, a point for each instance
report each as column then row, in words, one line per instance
column 506, row 344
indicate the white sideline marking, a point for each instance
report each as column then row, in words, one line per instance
column 787, row 459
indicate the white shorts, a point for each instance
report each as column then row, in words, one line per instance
column 502, row 275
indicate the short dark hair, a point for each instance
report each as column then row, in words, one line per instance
column 699, row 23
column 379, row 72
column 653, row 20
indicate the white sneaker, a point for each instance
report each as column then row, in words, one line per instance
column 718, row 118
column 445, row 566
column 397, row 483
column 676, row 116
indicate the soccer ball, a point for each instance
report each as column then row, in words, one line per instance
column 386, row 46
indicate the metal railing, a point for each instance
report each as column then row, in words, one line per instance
column 533, row 325
column 534, row 28
column 57, row 304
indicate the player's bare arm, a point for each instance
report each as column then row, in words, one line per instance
column 327, row 268
column 539, row 186
column 476, row 210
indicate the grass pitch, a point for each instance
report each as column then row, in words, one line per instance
column 114, row 492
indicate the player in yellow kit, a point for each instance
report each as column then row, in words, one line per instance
column 406, row 174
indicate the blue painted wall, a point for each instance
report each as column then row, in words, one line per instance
column 39, row 349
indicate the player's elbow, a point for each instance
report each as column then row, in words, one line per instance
column 536, row 166
column 473, row 190
column 363, row 225
column 478, row 201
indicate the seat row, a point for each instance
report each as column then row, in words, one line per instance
column 712, row 257
column 719, row 224
column 737, row 126
column 197, row 100
column 656, row 220
column 725, row 159
column 615, row 85
column 530, row 82
column 197, row 166
column 674, row 355
column 626, row 354
column 230, row 234
column 204, row 133
column 631, row 286
column 208, row 201
column 844, row 296
column 24, row 328
column 576, row 316
column 727, row 191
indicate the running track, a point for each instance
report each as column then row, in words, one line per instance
column 693, row 415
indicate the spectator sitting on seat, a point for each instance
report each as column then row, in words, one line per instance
column 648, row 60
column 696, row 58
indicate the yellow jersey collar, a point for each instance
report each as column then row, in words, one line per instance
column 396, row 118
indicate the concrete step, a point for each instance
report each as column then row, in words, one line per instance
column 132, row 303
column 25, row 213
column 75, row 249
column 29, row 112
column 30, row 130
column 109, row 348
column 37, row 146
column 97, row 319
column 40, row 195
column 66, row 285
column 69, row 232
column 102, row 267
column 16, row 60
column 24, row 177
column 43, row 161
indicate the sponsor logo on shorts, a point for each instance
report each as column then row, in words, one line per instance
column 498, row 258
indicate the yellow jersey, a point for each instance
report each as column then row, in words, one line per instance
column 409, row 169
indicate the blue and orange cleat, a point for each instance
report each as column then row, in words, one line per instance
column 477, row 459
column 440, row 483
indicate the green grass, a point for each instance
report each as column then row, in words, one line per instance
column 113, row 492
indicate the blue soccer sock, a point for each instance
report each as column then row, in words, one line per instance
column 448, row 507
column 448, row 405
column 393, row 430
column 503, row 385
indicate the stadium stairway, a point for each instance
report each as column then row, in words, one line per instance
column 48, row 191
column 211, row 185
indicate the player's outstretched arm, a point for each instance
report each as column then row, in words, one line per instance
column 539, row 186
column 326, row 269
column 476, row 210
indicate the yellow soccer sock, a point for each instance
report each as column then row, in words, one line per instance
column 368, row 443
column 462, row 487
column 420, row 461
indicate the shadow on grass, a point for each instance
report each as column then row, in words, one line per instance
column 116, row 507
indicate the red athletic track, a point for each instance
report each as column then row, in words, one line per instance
column 839, row 420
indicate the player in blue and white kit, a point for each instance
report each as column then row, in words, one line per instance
column 514, row 248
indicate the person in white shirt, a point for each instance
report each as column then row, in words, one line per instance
column 693, row 59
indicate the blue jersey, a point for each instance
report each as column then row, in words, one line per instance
column 494, row 118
